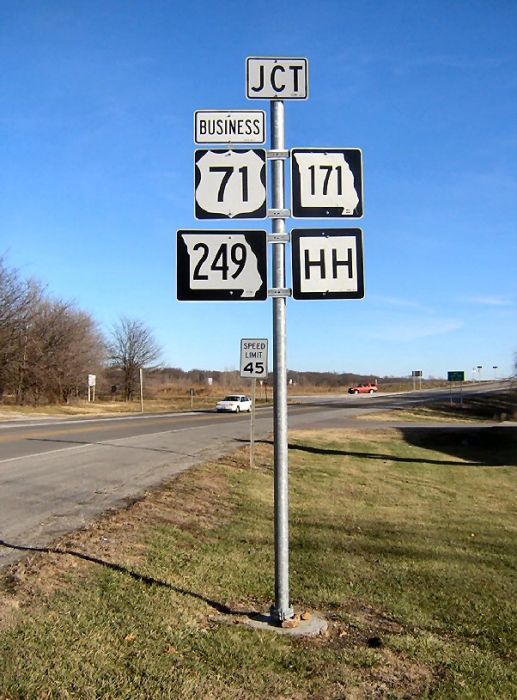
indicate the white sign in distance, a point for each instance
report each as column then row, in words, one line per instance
column 327, row 263
column 326, row 183
column 254, row 354
column 221, row 265
column 230, row 184
column 235, row 126
column 277, row 78
column 92, row 379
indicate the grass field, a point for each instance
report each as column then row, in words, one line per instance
column 404, row 542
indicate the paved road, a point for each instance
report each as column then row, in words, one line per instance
column 58, row 475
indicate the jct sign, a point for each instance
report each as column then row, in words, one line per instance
column 277, row 78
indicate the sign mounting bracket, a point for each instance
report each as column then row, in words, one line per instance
column 279, row 292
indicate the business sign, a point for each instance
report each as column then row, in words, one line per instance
column 254, row 357
column 221, row 265
column 230, row 184
column 327, row 263
column 455, row 376
column 326, row 183
column 277, row 78
column 224, row 126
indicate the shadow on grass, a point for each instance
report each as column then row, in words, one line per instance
column 143, row 578
column 492, row 446
column 470, row 446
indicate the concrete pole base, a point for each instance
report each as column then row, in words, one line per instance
column 304, row 625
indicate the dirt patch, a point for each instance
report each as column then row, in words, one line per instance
column 395, row 677
column 358, row 623
column 383, row 673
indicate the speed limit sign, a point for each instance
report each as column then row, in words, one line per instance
column 254, row 358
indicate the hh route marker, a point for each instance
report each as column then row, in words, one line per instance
column 327, row 263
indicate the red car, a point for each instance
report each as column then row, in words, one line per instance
column 363, row 389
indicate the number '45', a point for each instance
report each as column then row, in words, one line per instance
column 257, row 367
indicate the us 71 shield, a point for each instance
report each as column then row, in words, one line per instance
column 230, row 184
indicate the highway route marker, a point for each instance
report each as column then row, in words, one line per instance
column 327, row 263
column 230, row 184
column 221, row 265
column 326, row 183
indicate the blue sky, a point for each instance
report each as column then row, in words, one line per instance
column 96, row 168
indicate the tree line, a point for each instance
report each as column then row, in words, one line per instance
column 49, row 346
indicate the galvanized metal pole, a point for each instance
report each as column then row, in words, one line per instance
column 252, row 421
column 281, row 610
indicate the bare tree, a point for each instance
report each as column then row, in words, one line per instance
column 131, row 348
column 62, row 346
column 18, row 299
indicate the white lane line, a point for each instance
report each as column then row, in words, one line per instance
column 42, row 454
column 44, row 422
column 104, row 442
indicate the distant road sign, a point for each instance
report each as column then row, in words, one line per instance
column 326, row 183
column 327, row 263
column 416, row 373
column 230, row 184
column 229, row 126
column 221, row 265
column 254, row 358
column 455, row 376
column 277, row 78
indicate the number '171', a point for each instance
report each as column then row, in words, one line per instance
column 327, row 170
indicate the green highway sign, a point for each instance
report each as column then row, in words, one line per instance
column 455, row 376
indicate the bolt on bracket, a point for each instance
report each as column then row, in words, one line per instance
column 279, row 213
column 277, row 154
column 280, row 292
column 278, row 237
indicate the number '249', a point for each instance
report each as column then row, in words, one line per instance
column 235, row 254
